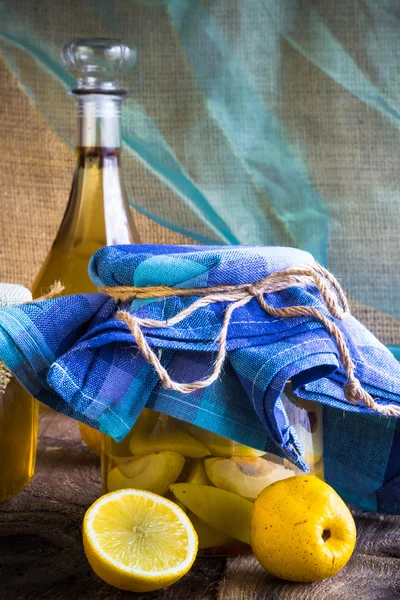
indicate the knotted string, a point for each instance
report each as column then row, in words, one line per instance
column 240, row 295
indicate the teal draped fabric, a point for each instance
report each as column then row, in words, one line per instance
column 273, row 123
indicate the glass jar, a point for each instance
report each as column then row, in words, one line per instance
column 214, row 479
column 18, row 439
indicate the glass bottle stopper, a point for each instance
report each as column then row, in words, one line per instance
column 96, row 63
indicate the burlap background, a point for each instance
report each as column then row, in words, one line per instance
column 35, row 176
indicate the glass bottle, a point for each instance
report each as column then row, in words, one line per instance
column 18, row 418
column 97, row 213
column 161, row 451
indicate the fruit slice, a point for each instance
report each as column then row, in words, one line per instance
column 223, row 510
column 246, row 476
column 219, row 445
column 146, row 421
column 91, row 437
column 137, row 541
column 154, row 472
column 175, row 441
column 145, row 424
column 197, row 473
column 208, row 536
column 169, row 495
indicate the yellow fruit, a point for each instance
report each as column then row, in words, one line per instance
column 138, row 541
column 197, row 473
column 154, row 472
column 175, row 441
column 301, row 530
column 246, row 476
column 145, row 424
column 219, row 445
column 146, row 421
column 208, row 536
column 223, row 510
column 169, row 495
column 117, row 450
column 91, row 437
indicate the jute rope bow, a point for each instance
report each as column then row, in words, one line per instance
column 240, row 295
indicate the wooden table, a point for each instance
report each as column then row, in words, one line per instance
column 41, row 554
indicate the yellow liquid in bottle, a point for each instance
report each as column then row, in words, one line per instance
column 18, row 439
column 97, row 215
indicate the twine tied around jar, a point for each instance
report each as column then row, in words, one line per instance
column 237, row 296
column 5, row 376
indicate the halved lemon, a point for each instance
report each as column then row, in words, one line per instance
column 138, row 541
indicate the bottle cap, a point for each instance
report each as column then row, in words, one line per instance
column 96, row 63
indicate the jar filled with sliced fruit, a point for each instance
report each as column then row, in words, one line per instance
column 214, row 479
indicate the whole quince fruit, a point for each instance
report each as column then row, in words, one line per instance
column 301, row 530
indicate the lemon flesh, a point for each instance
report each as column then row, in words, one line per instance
column 138, row 541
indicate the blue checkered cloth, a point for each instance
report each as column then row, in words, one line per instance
column 74, row 355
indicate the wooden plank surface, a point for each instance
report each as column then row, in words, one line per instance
column 41, row 555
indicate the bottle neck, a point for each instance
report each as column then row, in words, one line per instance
column 98, row 121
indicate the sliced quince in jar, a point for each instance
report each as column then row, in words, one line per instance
column 144, row 425
column 246, row 476
column 209, row 537
column 170, row 496
column 154, row 472
column 197, row 472
column 219, row 445
column 174, row 441
column 224, row 511
column 146, row 421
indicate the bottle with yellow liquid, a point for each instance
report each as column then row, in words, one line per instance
column 97, row 212
column 18, row 418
